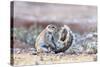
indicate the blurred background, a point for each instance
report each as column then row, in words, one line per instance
column 30, row 18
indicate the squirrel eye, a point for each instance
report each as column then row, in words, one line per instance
column 53, row 27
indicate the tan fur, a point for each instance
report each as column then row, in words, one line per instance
column 45, row 39
column 65, row 39
column 54, row 39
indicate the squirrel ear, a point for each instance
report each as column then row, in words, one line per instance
column 65, row 26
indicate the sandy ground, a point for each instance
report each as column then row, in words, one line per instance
column 27, row 59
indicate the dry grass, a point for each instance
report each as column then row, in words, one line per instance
column 27, row 59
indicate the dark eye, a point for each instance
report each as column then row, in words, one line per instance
column 53, row 27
